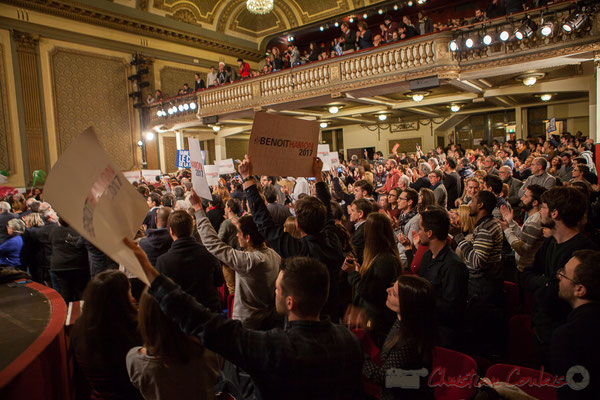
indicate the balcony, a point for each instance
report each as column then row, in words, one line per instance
column 367, row 76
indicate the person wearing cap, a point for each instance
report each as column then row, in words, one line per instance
column 244, row 70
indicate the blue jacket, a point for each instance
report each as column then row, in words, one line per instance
column 10, row 251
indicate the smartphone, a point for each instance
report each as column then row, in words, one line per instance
column 340, row 170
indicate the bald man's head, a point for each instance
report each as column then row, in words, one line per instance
column 162, row 216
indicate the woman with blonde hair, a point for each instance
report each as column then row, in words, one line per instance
column 381, row 266
column 466, row 222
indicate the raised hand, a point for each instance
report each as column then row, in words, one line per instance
column 317, row 168
column 245, row 168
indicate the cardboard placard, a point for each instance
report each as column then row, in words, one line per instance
column 93, row 196
column 395, row 148
column 132, row 176
column 226, row 166
column 198, row 172
column 283, row 146
column 183, row 158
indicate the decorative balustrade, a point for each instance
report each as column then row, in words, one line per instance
column 419, row 57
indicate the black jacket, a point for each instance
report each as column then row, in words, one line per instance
column 215, row 216
column 358, row 242
column 197, row 271
column 150, row 219
column 68, row 251
column 156, row 243
column 4, row 218
column 453, row 187
column 349, row 40
column 324, row 246
column 576, row 343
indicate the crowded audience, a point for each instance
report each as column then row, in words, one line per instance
column 271, row 287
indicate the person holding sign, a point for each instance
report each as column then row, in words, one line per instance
column 319, row 235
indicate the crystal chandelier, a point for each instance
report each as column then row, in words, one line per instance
column 259, row 6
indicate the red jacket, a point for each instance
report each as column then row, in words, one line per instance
column 244, row 70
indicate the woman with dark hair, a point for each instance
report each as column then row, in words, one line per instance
column 104, row 333
column 170, row 365
column 409, row 343
column 314, row 52
column 391, row 209
column 364, row 39
column 381, row 266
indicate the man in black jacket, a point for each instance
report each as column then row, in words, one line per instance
column 349, row 38
column 154, row 201
column 189, row 264
column 314, row 221
column 359, row 210
column 447, row 273
column 574, row 345
column 158, row 240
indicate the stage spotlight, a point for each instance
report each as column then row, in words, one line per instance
column 186, row 106
column 336, row 24
column 321, row 28
column 395, row 7
column 351, row 20
column 526, row 30
column 170, row 111
column 487, row 39
column 365, row 16
column 180, row 108
column 193, row 106
column 454, row 45
column 469, row 43
column 504, row 35
column 380, row 11
column 548, row 27
column 158, row 113
column 575, row 21
column 410, row 3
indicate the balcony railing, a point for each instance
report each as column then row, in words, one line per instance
column 423, row 56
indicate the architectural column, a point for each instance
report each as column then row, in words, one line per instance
column 179, row 139
column 29, row 100
column 220, row 151
column 518, row 123
column 524, row 123
column 593, row 102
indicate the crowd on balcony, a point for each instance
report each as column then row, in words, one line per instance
column 348, row 41
column 411, row 254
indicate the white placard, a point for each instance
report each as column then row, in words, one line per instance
column 331, row 160
column 93, row 196
column 226, row 166
column 132, row 176
column 198, row 172
column 212, row 174
column 151, row 174
column 322, row 151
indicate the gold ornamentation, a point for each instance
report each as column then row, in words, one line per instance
column 91, row 90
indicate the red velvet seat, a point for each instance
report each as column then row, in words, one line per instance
column 520, row 339
column 533, row 382
column 454, row 375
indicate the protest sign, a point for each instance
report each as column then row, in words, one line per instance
column 212, row 174
column 283, row 146
column 331, row 160
column 198, row 172
column 132, row 176
column 226, row 166
column 395, row 148
column 150, row 175
column 183, row 158
column 322, row 151
column 93, row 196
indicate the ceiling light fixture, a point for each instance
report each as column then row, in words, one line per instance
column 380, row 11
column 417, row 96
column 410, row 3
column 216, row 128
column 365, row 16
column 150, row 136
column 336, row 24
column 259, row 7
column 421, row 1
column 140, row 143
column 334, row 109
column 546, row 97
column 323, row 125
column 395, row 7
column 530, row 79
column 321, row 28
column 351, row 19
column 455, row 108
column 382, row 117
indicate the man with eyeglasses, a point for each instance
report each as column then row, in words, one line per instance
column 505, row 173
column 562, row 210
column 576, row 342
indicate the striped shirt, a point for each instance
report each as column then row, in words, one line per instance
column 526, row 240
column 483, row 254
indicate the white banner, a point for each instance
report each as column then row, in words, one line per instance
column 151, row 174
column 198, row 172
column 132, row 176
column 212, row 174
column 93, row 196
column 226, row 166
